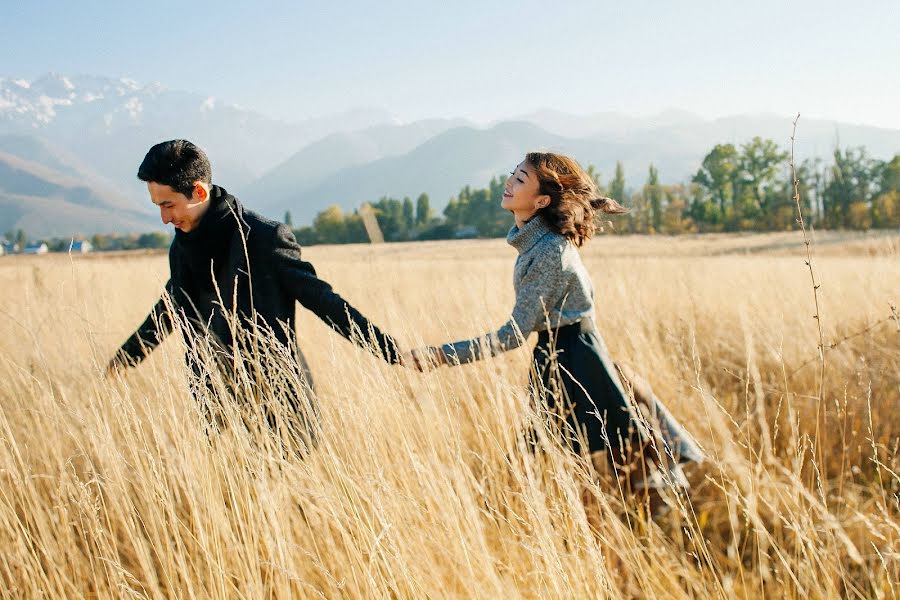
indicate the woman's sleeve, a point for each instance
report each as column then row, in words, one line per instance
column 540, row 289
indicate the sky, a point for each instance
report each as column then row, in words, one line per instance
column 481, row 60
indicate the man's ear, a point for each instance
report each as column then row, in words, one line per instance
column 201, row 191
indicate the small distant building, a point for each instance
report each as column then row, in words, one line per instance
column 38, row 248
column 2, row 249
column 81, row 247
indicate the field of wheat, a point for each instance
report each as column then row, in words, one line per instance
column 419, row 485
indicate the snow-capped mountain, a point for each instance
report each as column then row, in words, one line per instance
column 54, row 99
column 110, row 123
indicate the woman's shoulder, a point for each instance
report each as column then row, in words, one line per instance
column 547, row 253
column 558, row 251
column 552, row 244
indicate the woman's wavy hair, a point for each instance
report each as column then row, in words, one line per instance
column 574, row 199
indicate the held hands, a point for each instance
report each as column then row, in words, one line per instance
column 424, row 359
column 113, row 368
column 116, row 366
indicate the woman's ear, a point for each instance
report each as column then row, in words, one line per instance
column 542, row 201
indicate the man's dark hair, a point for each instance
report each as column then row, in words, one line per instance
column 177, row 164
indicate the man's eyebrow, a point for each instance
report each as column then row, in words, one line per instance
column 523, row 172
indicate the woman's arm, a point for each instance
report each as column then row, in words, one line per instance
column 540, row 289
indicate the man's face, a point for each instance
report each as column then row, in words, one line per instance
column 176, row 208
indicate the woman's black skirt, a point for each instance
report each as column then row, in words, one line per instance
column 583, row 391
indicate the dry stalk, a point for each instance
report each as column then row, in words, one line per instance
column 820, row 391
column 848, row 337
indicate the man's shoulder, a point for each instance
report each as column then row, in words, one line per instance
column 258, row 222
column 262, row 230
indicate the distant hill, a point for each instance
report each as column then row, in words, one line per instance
column 464, row 156
column 471, row 156
column 322, row 159
column 60, row 201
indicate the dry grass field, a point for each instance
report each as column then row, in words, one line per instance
column 419, row 486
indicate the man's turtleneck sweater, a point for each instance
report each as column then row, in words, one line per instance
column 210, row 241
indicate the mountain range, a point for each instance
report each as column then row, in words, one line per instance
column 70, row 146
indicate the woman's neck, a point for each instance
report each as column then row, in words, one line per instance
column 523, row 218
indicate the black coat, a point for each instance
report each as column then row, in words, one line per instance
column 261, row 275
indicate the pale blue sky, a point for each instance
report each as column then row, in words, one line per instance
column 481, row 60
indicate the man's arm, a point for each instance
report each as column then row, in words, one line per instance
column 298, row 277
column 148, row 336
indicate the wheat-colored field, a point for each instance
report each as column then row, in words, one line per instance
column 419, row 485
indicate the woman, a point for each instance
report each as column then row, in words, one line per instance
column 554, row 203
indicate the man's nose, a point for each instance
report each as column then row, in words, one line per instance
column 164, row 215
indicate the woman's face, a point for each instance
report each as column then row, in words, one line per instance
column 520, row 195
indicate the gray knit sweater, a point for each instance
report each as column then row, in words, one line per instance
column 552, row 289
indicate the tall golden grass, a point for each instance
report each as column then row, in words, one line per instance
column 419, row 486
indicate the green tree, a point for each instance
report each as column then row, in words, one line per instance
column 890, row 176
column 409, row 215
column 717, row 174
column 886, row 210
column 639, row 215
column 811, row 180
column 307, row 236
column 423, row 210
column 675, row 214
column 391, row 220
column 760, row 161
column 886, row 206
column 617, row 185
column 329, row 225
column 102, row 242
column 594, row 174
column 287, row 219
column 653, row 194
column 854, row 178
column 157, row 239
column 355, row 229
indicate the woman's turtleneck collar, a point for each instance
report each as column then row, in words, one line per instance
column 523, row 238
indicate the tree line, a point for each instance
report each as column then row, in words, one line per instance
column 747, row 187
column 99, row 242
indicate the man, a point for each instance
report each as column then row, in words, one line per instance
column 234, row 278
